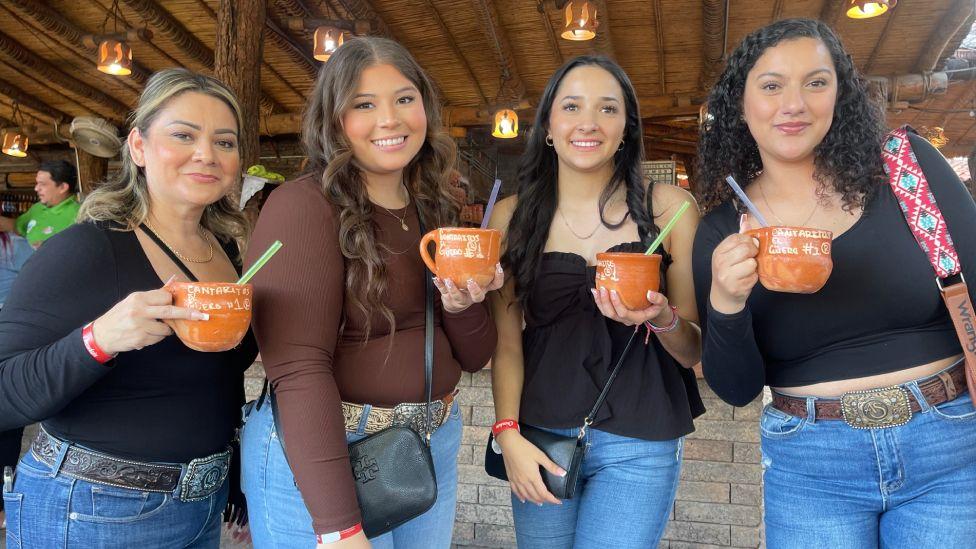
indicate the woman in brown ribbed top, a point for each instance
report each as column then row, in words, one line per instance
column 339, row 313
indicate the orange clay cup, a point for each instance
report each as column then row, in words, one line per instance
column 229, row 307
column 462, row 254
column 631, row 274
column 793, row 259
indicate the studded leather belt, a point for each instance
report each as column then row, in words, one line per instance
column 878, row 408
column 203, row 477
column 411, row 414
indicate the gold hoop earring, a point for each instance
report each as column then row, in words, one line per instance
column 549, row 140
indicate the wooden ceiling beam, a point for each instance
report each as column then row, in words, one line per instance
column 284, row 41
column 23, row 57
column 713, row 41
column 550, row 33
column 47, row 18
column 189, row 44
column 881, row 40
column 446, row 33
column 603, row 42
column 959, row 16
column 831, row 12
column 513, row 87
column 659, row 38
column 30, row 101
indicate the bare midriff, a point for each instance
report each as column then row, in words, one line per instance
column 834, row 389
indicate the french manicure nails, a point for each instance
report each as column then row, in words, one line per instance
column 562, row 473
column 197, row 315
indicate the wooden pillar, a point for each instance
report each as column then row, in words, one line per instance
column 91, row 170
column 237, row 63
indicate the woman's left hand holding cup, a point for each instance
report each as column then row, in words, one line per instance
column 456, row 300
column 610, row 305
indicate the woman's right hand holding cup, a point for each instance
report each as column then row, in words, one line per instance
column 137, row 321
column 522, row 462
column 734, row 271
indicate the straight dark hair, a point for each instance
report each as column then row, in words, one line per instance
column 528, row 230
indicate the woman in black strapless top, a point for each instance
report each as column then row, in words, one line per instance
column 581, row 192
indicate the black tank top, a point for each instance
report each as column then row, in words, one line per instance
column 569, row 349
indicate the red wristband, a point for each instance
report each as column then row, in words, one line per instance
column 340, row 535
column 504, row 425
column 96, row 352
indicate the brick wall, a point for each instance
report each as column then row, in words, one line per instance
column 719, row 498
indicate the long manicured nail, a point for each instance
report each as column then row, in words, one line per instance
column 562, row 473
column 613, row 293
column 197, row 315
column 593, row 291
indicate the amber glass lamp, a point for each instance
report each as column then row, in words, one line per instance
column 863, row 9
column 15, row 143
column 581, row 21
column 506, row 124
column 114, row 57
column 327, row 41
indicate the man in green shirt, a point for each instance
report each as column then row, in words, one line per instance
column 56, row 183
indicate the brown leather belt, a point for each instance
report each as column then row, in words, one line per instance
column 411, row 414
column 202, row 478
column 884, row 407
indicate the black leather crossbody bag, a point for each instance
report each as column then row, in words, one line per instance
column 393, row 469
column 566, row 452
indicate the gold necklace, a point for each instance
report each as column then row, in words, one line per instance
column 203, row 233
column 577, row 235
column 762, row 192
column 403, row 219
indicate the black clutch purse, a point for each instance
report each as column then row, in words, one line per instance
column 393, row 469
column 566, row 452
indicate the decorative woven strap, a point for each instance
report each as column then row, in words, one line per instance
column 918, row 203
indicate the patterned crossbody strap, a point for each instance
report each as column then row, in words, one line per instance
column 921, row 211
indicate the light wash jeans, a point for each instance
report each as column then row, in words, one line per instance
column 50, row 511
column 279, row 518
column 627, row 486
column 829, row 485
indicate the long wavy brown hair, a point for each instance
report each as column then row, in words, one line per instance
column 329, row 152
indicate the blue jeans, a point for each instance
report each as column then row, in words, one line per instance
column 279, row 518
column 53, row 511
column 830, row 485
column 626, row 489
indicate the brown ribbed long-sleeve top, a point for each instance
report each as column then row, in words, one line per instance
column 299, row 305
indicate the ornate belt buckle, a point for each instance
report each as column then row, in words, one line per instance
column 876, row 408
column 204, row 476
column 414, row 415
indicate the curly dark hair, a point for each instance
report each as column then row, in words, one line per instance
column 849, row 157
column 538, row 172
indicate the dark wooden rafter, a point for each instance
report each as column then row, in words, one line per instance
column 831, row 12
column 603, row 42
column 295, row 8
column 777, row 10
column 28, row 75
column 41, row 68
column 28, row 100
column 513, row 87
column 960, row 15
column 550, row 32
column 170, row 27
column 659, row 38
column 47, row 18
column 713, row 41
column 298, row 53
column 869, row 64
column 446, row 33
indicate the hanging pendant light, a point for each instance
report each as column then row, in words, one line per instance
column 864, row 9
column 114, row 57
column 506, row 124
column 15, row 143
column 581, row 21
column 327, row 41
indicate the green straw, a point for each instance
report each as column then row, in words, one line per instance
column 273, row 249
column 667, row 228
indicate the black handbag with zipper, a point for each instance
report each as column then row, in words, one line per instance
column 393, row 469
column 566, row 452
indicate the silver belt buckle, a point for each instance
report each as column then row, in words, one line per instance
column 415, row 415
column 876, row 408
column 204, row 476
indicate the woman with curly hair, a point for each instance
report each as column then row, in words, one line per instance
column 791, row 119
column 582, row 192
column 339, row 314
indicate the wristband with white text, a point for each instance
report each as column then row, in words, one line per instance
column 504, row 425
column 340, row 535
column 96, row 352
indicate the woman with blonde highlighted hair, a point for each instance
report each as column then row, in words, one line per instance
column 135, row 444
column 340, row 312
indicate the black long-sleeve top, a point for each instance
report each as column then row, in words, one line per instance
column 879, row 312
column 163, row 403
